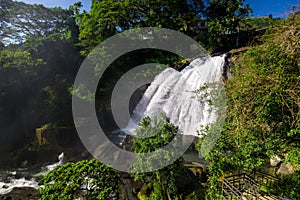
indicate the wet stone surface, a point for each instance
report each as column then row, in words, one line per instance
column 24, row 193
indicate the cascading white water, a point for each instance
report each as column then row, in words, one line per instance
column 12, row 180
column 171, row 92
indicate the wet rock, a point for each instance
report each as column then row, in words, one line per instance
column 128, row 142
column 275, row 160
column 128, row 189
column 24, row 193
column 180, row 65
column 136, row 186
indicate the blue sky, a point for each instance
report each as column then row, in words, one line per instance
column 278, row 8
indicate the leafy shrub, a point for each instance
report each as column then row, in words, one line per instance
column 162, row 184
column 89, row 179
column 288, row 185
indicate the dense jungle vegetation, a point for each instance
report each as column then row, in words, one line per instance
column 41, row 50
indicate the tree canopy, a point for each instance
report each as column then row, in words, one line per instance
column 20, row 20
column 109, row 17
column 39, row 61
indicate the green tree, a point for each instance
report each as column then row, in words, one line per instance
column 258, row 23
column 162, row 183
column 224, row 17
column 88, row 179
column 109, row 17
column 20, row 20
column 37, row 50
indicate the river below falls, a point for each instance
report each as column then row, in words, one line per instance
column 24, row 177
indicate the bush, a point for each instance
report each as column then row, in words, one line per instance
column 288, row 185
column 89, row 179
column 263, row 109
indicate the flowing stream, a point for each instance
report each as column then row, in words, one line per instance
column 24, row 177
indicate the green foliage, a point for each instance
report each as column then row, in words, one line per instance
column 224, row 16
column 31, row 146
column 20, row 20
column 58, row 99
column 287, row 185
column 213, row 94
column 10, row 58
column 109, row 17
column 89, row 179
column 199, row 194
column 38, row 63
column 152, row 135
column 161, row 183
column 263, row 107
column 261, row 22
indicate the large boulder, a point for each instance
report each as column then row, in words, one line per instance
column 285, row 169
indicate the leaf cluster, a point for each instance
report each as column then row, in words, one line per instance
column 109, row 17
column 88, row 179
column 152, row 135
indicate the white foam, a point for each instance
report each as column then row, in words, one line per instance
column 12, row 182
column 22, row 182
column 171, row 92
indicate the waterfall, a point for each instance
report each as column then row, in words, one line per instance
column 173, row 93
